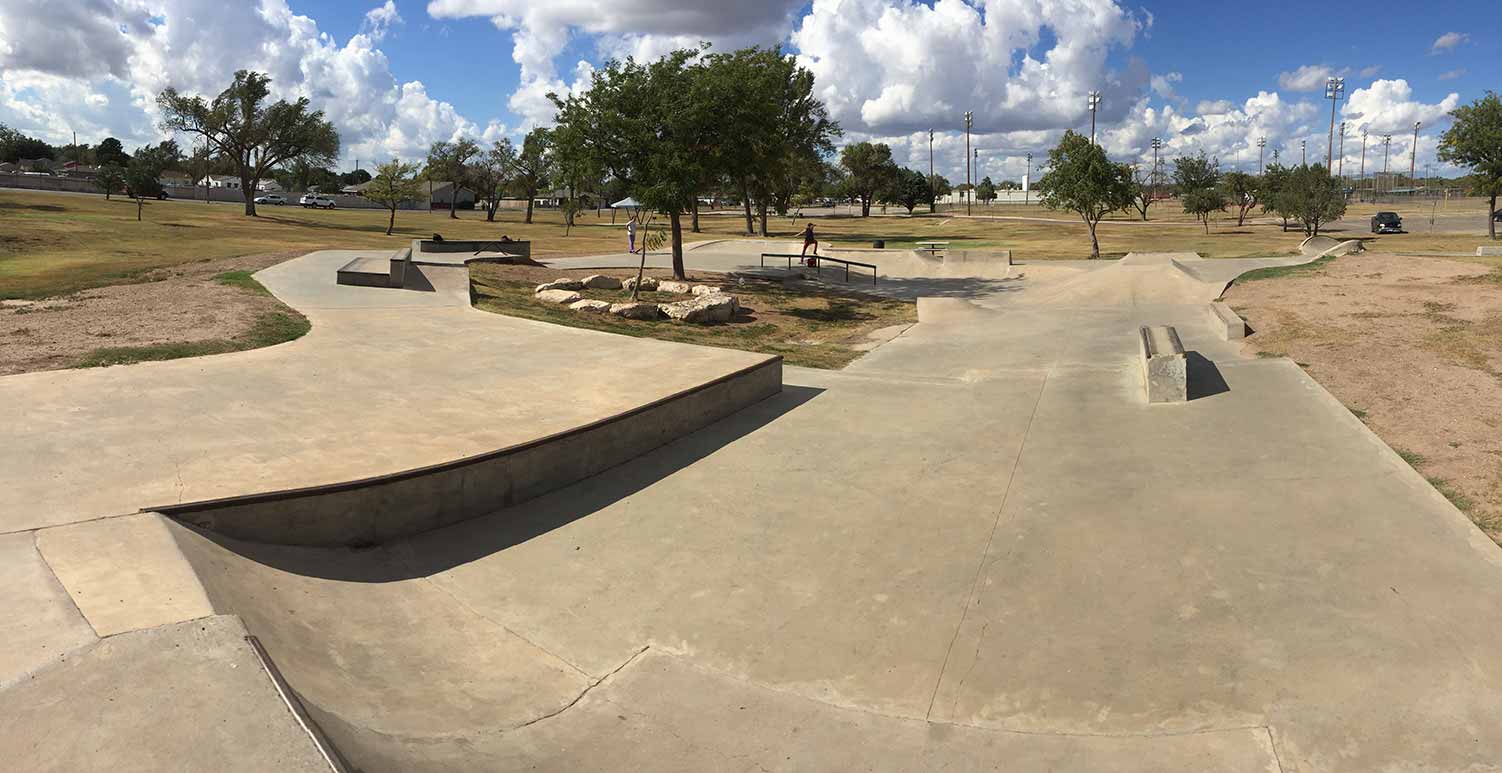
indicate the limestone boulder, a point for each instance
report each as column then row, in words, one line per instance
column 557, row 296
column 675, row 287
column 635, row 310
column 714, row 307
column 705, row 290
column 590, row 307
column 647, row 283
column 561, row 284
column 601, row 282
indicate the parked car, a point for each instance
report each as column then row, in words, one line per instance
column 271, row 198
column 317, row 201
column 1497, row 216
column 1387, row 223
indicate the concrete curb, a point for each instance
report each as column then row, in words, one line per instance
column 385, row 507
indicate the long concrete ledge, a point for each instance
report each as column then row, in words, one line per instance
column 422, row 247
column 1227, row 323
column 1484, row 251
column 374, row 510
column 1165, row 367
column 376, row 272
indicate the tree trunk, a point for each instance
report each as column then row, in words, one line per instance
column 1206, row 220
column 247, row 190
column 139, row 202
column 694, row 223
column 865, row 207
column 1094, row 242
column 676, row 218
column 746, row 203
column 390, row 224
column 531, row 196
column 761, row 212
column 1491, row 217
column 490, row 208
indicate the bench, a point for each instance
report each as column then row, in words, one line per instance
column 818, row 259
column 1165, row 366
column 1226, row 323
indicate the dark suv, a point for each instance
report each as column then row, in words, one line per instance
column 1387, row 223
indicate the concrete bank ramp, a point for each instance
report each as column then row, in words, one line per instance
column 1320, row 246
column 1137, row 279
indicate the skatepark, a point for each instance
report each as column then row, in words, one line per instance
column 425, row 537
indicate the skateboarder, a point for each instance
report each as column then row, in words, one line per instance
column 809, row 241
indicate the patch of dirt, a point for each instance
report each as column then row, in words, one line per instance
column 1411, row 345
column 182, row 304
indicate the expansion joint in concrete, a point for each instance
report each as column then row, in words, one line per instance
column 471, row 610
column 587, row 689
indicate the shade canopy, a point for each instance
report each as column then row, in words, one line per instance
column 626, row 203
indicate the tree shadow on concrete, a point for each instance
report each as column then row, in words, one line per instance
column 1204, row 378
column 430, row 553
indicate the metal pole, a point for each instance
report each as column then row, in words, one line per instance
column 1413, row 155
column 1342, row 153
column 1304, row 152
column 1153, row 178
column 976, row 165
column 969, row 117
column 931, row 191
column 1027, row 189
column 1386, row 151
column 1094, row 103
column 1334, row 88
column 1261, row 153
column 1363, row 157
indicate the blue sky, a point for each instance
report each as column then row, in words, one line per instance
column 395, row 76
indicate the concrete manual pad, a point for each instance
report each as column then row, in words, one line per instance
column 387, row 381
column 39, row 625
column 125, row 574
column 191, row 696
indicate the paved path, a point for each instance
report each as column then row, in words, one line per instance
column 975, row 548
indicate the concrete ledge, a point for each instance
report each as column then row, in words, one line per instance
column 1484, row 251
column 1165, row 367
column 1226, row 323
column 989, row 257
column 374, row 510
column 472, row 246
column 376, row 272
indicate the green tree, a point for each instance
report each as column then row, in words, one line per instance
column 1144, row 190
column 869, row 170
column 357, row 177
column 111, row 153
column 489, row 173
column 1312, row 196
column 394, row 183
column 240, row 125
column 908, row 188
column 1274, row 184
column 986, row 191
column 110, row 179
column 1474, row 141
column 1082, row 180
column 449, row 161
column 15, row 146
column 1197, row 180
column 534, row 163
column 1242, row 190
column 646, row 126
column 141, row 180
column 938, row 187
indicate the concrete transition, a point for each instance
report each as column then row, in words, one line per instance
column 1320, row 246
column 975, row 548
column 1226, row 323
column 1165, row 374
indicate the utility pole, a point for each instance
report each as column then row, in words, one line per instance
column 1027, row 182
column 1304, row 152
column 931, row 191
column 1386, row 150
column 1094, row 105
column 1275, row 156
column 976, row 165
column 1413, row 156
column 1363, row 159
column 1334, row 89
column 969, row 119
column 1262, row 154
column 1342, row 153
column 1153, row 178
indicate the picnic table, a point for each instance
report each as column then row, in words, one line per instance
column 933, row 248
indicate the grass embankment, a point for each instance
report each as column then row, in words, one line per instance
column 270, row 329
column 811, row 327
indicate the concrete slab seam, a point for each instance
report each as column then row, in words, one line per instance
column 981, row 565
column 467, row 608
column 38, row 548
column 295, row 707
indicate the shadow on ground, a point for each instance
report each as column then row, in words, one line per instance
column 464, row 542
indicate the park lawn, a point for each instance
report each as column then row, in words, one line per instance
column 811, row 326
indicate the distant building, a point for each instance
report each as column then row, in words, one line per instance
column 269, row 185
column 7, row 167
column 42, row 165
column 228, row 183
column 444, row 197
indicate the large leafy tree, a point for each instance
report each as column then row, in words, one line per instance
column 450, row 161
column 1274, row 183
column 111, row 153
column 908, row 188
column 1197, row 179
column 1243, row 191
column 647, row 127
column 986, row 191
column 110, row 179
column 1082, row 180
column 869, row 171
column 15, row 146
column 938, row 187
column 1309, row 194
column 141, row 179
column 395, row 182
column 1474, row 141
column 489, row 173
column 534, row 165
column 240, row 125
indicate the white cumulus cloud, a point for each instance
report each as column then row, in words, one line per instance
column 1448, row 42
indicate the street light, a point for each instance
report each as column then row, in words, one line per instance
column 1335, row 88
column 1413, row 155
column 1027, row 182
column 1094, row 105
column 1157, row 146
column 975, row 164
column 931, row 192
column 1386, row 149
column 969, row 118
column 1363, row 160
column 1261, row 153
column 1304, row 152
column 1275, row 156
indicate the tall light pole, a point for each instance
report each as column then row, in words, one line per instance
column 1261, row 153
column 1094, row 105
column 1304, row 152
column 1413, row 155
column 1275, row 156
column 1342, row 153
column 969, row 118
column 1153, row 179
column 933, row 194
column 1386, row 150
column 1363, row 159
column 1335, row 88
column 1027, row 182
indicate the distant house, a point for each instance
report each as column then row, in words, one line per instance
column 7, row 167
column 554, row 199
column 228, row 183
column 268, row 185
column 444, row 197
column 43, row 165
column 176, row 180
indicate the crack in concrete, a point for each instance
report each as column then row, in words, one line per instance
column 586, row 690
column 1272, row 745
column 981, row 564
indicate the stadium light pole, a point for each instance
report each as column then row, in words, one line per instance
column 1261, row 154
column 1342, row 153
column 969, row 119
column 1094, row 105
column 1275, row 156
column 1028, row 181
column 1335, row 88
column 932, row 193
column 1413, row 155
column 1363, row 159
column 1386, row 151
column 1303, row 152
column 1153, row 180
column 976, row 165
